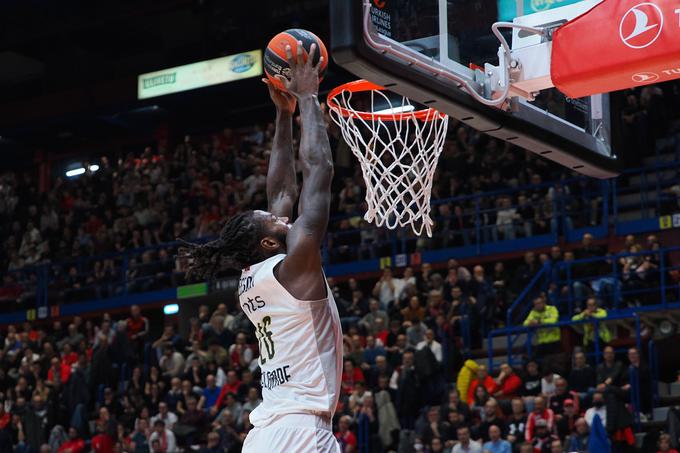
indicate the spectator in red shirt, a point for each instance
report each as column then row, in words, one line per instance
column 540, row 412
column 68, row 357
column 137, row 325
column 350, row 376
column 508, row 383
column 484, row 380
column 58, row 373
column 346, row 438
column 10, row 290
column 74, row 444
column 232, row 385
column 102, row 442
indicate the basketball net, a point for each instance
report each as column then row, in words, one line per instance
column 398, row 149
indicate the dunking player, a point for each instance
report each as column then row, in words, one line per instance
column 282, row 289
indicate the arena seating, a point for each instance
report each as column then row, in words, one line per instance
column 436, row 338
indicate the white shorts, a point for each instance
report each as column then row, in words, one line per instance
column 293, row 433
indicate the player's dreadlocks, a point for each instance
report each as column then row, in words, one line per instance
column 237, row 247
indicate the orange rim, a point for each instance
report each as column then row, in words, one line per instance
column 359, row 86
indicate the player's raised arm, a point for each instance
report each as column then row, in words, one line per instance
column 301, row 271
column 282, row 189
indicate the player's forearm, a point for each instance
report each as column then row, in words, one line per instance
column 315, row 149
column 281, row 178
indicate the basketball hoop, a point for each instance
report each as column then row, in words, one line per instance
column 398, row 145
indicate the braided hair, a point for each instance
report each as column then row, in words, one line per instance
column 237, row 247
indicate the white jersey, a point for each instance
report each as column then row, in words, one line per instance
column 300, row 346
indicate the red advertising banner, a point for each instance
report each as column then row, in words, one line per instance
column 616, row 45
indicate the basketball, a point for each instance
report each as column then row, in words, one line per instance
column 275, row 62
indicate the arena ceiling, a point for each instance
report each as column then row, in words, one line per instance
column 68, row 69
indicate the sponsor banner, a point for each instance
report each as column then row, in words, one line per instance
column 199, row 75
column 507, row 9
column 196, row 290
column 667, row 222
column 617, row 45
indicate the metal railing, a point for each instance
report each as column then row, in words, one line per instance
column 596, row 323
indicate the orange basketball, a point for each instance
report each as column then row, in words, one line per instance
column 275, row 62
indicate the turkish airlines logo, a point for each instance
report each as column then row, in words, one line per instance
column 645, row 77
column 641, row 26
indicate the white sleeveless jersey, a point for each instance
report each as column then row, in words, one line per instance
column 300, row 346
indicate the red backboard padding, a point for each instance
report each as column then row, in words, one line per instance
column 616, row 45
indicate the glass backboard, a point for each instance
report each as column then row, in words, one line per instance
column 456, row 35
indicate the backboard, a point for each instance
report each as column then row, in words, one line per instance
column 397, row 43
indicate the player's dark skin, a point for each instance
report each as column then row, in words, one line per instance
column 301, row 271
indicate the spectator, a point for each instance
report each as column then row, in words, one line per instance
column 582, row 375
column 543, row 438
column 414, row 313
column 548, row 339
column 578, row 441
column 491, row 417
column 433, row 344
column 561, row 396
column 163, row 435
column 665, row 443
column 346, row 438
column 517, row 423
column 541, row 414
column 599, row 408
column 213, row 445
column 172, row 363
column 483, row 380
column 435, row 428
column 525, row 272
column 369, row 321
column 226, row 428
column 592, row 311
column 210, row 394
column 350, row 376
column 508, row 383
column 610, row 371
column 102, row 442
column 140, row 437
column 168, row 418
column 495, row 443
column 566, row 421
column 74, row 444
column 387, row 289
column 643, row 375
column 194, row 419
column 549, row 382
column 531, row 382
column 465, row 444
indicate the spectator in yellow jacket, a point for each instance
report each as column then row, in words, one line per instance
column 593, row 311
column 547, row 339
column 466, row 375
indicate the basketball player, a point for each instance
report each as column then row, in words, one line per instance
column 282, row 289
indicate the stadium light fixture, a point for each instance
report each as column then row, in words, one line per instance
column 81, row 170
column 171, row 309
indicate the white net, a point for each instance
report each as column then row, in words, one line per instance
column 398, row 149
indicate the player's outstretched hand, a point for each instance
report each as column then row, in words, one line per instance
column 304, row 75
column 283, row 101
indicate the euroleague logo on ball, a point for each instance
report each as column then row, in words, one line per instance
column 380, row 3
column 641, row 26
